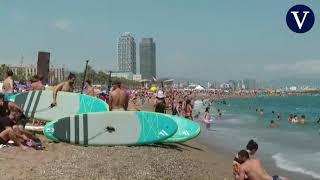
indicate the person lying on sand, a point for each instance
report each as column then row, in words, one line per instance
column 12, row 122
column 252, row 169
column 7, row 133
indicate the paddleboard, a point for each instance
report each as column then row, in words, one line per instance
column 187, row 130
column 36, row 104
column 111, row 128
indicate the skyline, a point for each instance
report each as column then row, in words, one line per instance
column 209, row 40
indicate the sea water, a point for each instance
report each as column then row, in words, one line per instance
column 290, row 148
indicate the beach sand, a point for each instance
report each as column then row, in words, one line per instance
column 190, row 160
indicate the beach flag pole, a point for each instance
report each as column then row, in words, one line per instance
column 110, row 81
column 84, row 77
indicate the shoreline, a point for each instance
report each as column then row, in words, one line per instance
column 267, row 160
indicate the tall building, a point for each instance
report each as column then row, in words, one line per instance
column 250, row 84
column 127, row 53
column 43, row 65
column 147, row 58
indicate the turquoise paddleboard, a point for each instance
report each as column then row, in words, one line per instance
column 36, row 104
column 187, row 130
column 112, row 128
column 10, row 97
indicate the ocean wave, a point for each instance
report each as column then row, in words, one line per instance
column 288, row 165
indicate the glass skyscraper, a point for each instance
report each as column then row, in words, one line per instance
column 147, row 58
column 127, row 53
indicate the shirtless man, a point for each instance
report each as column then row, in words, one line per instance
column 119, row 99
column 253, row 169
column 8, row 83
column 89, row 89
column 64, row 86
column 37, row 85
column 10, row 113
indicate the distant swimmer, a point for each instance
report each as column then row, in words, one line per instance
column 64, row 86
column 318, row 122
column 302, row 120
column 273, row 124
column 279, row 117
column 295, row 119
column 253, row 169
column 219, row 113
column 273, row 112
column 261, row 112
column 290, row 118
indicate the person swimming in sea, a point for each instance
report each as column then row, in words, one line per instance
column 318, row 122
column 279, row 117
column 295, row 119
column 302, row 120
column 261, row 112
column 290, row 118
column 273, row 124
column 219, row 113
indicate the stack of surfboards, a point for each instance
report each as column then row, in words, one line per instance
column 85, row 120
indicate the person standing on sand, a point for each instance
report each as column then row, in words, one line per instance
column 188, row 110
column 36, row 84
column 119, row 99
column 160, row 104
column 8, row 83
column 252, row 169
column 89, row 89
column 207, row 118
column 64, row 86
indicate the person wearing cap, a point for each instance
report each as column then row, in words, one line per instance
column 119, row 99
column 160, row 105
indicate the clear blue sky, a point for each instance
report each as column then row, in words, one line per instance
column 205, row 39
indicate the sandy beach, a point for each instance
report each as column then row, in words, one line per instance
column 189, row 160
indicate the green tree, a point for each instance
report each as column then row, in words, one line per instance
column 21, row 75
column 3, row 70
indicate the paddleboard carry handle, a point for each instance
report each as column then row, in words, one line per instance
column 110, row 129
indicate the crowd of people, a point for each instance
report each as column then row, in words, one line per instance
column 292, row 118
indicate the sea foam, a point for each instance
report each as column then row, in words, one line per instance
column 288, row 165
